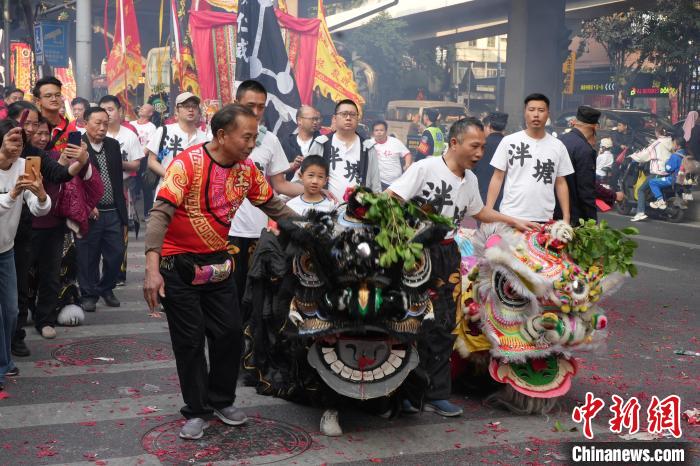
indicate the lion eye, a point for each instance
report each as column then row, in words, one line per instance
column 507, row 293
column 304, row 270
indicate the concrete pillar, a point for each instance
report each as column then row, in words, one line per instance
column 83, row 48
column 532, row 57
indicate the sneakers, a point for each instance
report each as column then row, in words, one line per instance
column 14, row 372
column 48, row 332
column 193, row 428
column 111, row 300
column 19, row 348
column 408, row 408
column 687, row 196
column 88, row 304
column 658, row 204
column 121, row 283
column 231, row 415
column 329, row 424
column 443, row 408
column 638, row 217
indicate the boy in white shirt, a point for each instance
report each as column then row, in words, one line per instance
column 314, row 176
column 533, row 164
column 604, row 160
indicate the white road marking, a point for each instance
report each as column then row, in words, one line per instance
column 87, row 331
column 654, row 266
column 654, row 239
column 54, row 368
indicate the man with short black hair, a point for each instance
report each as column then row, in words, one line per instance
column 353, row 159
column 13, row 95
column 105, row 239
column 393, row 156
column 494, row 125
column 447, row 186
column 49, row 99
column 433, row 140
column 533, row 164
column 189, row 269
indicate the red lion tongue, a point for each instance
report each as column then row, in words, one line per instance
column 365, row 362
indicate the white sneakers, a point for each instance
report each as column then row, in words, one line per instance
column 658, row 204
column 48, row 332
column 329, row 424
column 638, row 217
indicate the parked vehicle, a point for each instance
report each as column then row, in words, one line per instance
column 405, row 118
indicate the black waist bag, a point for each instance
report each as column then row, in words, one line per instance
column 203, row 269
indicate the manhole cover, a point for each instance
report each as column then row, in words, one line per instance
column 259, row 441
column 113, row 350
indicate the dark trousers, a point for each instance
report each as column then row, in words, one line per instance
column 242, row 250
column 435, row 344
column 23, row 253
column 104, row 241
column 195, row 312
column 47, row 249
column 122, row 267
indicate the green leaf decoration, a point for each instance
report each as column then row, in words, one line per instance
column 603, row 246
column 394, row 219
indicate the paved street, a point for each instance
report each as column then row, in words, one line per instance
column 107, row 392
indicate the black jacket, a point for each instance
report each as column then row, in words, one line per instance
column 291, row 147
column 484, row 170
column 581, row 183
column 114, row 167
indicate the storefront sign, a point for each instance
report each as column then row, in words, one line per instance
column 596, row 88
column 651, row 91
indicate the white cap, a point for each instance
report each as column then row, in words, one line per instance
column 185, row 96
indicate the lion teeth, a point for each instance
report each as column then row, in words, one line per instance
column 378, row 373
column 327, row 350
column 367, row 375
column 356, row 375
column 337, row 366
column 346, row 373
column 399, row 352
column 330, row 357
column 395, row 360
column 388, row 368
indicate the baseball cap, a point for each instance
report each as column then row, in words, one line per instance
column 185, row 96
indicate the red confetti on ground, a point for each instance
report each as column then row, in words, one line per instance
column 87, row 423
column 375, row 460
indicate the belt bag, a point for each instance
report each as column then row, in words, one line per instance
column 203, row 269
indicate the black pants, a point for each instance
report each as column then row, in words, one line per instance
column 435, row 344
column 23, row 252
column 195, row 312
column 242, row 250
column 47, row 249
column 104, row 241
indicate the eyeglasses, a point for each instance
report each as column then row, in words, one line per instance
column 311, row 118
column 52, row 96
column 351, row 115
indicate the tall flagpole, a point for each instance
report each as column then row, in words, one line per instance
column 173, row 86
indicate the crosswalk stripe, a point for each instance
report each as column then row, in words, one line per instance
column 86, row 331
column 44, row 414
column 53, row 368
column 141, row 460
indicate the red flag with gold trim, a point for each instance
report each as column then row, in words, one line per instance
column 124, row 65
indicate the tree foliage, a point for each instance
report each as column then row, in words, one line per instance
column 622, row 35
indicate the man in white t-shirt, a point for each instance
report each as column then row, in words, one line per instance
column 269, row 157
column 449, row 187
column 352, row 159
column 144, row 127
column 393, row 156
column 179, row 136
column 533, row 164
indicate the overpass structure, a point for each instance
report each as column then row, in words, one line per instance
column 538, row 32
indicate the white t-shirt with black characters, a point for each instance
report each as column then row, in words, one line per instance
column 531, row 166
column 430, row 181
column 344, row 166
column 269, row 157
column 145, row 131
column 128, row 145
column 389, row 155
column 176, row 141
column 301, row 207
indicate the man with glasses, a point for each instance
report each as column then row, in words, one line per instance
column 169, row 140
column 305, row 139
column 48, row 97
column 352, row 159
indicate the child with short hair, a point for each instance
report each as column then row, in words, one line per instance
column 314, row 176
column 604, row 161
